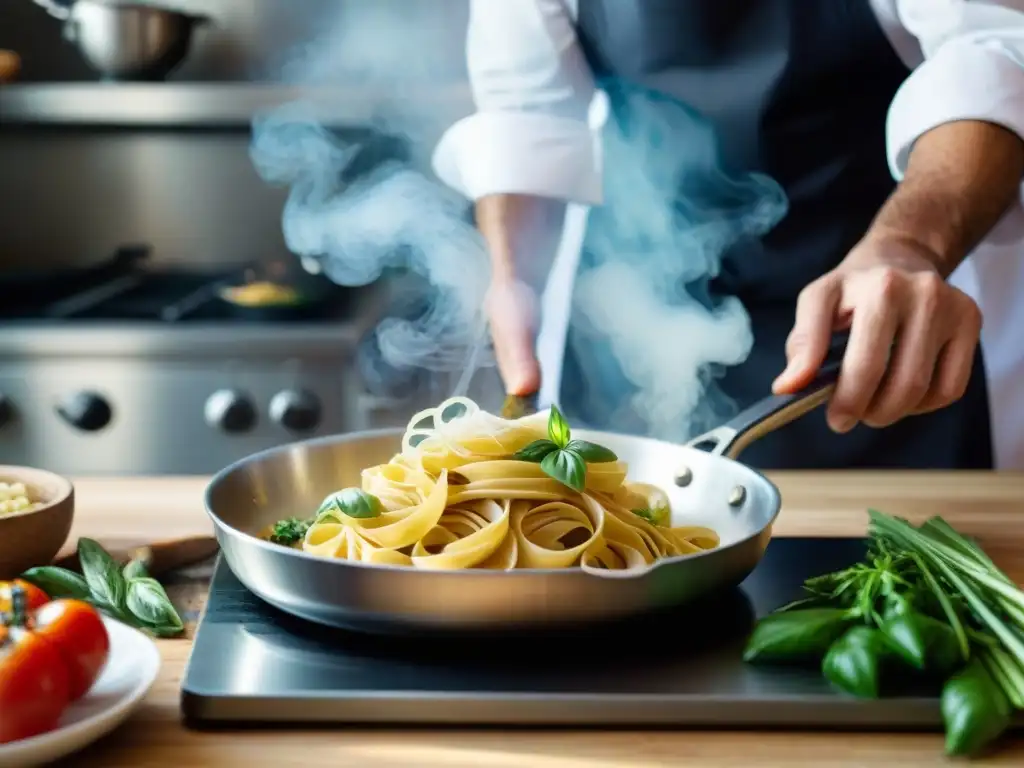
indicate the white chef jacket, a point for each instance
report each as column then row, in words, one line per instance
column 536, row 131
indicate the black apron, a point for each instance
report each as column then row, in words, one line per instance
column 793, row 96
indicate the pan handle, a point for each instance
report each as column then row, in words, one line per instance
column 776, row 411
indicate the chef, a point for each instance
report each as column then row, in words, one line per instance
column 893, row 128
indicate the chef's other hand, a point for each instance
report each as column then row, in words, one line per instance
column 912, row 335
column 512, row 312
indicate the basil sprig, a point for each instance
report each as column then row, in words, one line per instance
column 925, row 605
column 127, row 594
column 562, row 458
column 351, row 502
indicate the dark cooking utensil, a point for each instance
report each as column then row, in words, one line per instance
column 304, row 308
column 704, row 487
column 22, row 287
column 316, row 295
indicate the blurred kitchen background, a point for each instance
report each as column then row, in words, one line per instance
column 129, row 204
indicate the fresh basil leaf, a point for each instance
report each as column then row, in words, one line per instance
column 592, row 453
column 148, row 602
column 558, row 428
column 854, row 663
column 656, row 515
column 923, row 642
column 353, row 502
column 567, row 468
column 535, row 451
column 135, row 569
column 57, row 582
column 795, row 636
column 975, row 710
column 107, row 585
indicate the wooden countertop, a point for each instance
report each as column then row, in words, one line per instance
column 140, row 510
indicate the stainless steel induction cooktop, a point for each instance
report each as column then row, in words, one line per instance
column 253, row 664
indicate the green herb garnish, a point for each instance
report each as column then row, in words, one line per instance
column 290, row 531
column 351, row 502
column 127, row 594
column 561, row 457
column 925, row 603
column 656, row 515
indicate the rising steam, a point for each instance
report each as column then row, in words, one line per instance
column 651, row 337
column 357, row 226
column 670, row 215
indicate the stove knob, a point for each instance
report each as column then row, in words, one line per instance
column 230, row 411
column 297, row 410
column 87, row 411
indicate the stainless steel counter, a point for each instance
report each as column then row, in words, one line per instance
column 213, row 104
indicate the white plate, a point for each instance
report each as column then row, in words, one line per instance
column 132, row 667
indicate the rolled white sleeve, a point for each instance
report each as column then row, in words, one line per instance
column 973, row 69
column 533, row 90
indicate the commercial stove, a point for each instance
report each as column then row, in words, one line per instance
column 135, row 368
column 252, row 664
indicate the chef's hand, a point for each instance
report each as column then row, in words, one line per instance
column 512, row 312
column 912, row 335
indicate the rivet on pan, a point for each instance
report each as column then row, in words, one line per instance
column 737, row 496
column 684, row 477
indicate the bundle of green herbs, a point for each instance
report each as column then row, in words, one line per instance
column 926, row 607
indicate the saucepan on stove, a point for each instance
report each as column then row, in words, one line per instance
column 273, row 292
column 703, row 481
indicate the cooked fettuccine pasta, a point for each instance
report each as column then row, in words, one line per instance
column 472, row 490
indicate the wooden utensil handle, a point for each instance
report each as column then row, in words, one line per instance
column 160, row 557
column 10, row 66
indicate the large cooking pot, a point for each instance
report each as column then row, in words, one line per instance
column 706, row 487
column 126, row 41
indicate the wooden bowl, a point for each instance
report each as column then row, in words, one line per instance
column 34, row 537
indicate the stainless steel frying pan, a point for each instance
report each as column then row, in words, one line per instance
column 705, row 487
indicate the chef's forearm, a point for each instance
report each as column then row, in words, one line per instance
column 522, row 234
column 960, row 179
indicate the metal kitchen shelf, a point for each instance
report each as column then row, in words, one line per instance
column 212, row 104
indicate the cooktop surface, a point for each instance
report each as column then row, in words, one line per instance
column 252, row 663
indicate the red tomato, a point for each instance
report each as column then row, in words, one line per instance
column 76, row 630
column 34, row 685
column 35, row 597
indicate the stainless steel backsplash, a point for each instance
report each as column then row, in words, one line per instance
column 72, row 193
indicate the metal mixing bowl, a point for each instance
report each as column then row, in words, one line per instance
column 126, row 41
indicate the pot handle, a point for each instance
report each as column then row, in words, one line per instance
column 57, row 10
column 775, row 411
